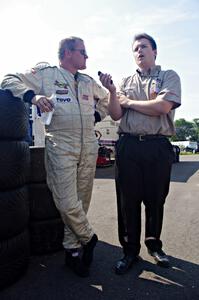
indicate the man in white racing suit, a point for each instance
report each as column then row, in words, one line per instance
column 70, row 142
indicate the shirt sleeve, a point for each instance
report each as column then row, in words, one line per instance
column 171, row 88
column 21, row 83
column 121, row 92
column 121, row 89
column 101, row 100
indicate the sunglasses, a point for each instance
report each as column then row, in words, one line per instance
column 81, row 51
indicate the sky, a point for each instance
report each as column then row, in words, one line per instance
column 31, row 31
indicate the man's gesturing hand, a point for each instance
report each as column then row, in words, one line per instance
column 43, row 103
column 107, row 82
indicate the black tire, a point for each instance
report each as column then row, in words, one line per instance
column 46, row 236
column 14, row 164
column 14, row 212
column 14, row 258
column 42, row 206
column 37, row 166
column 14, row 117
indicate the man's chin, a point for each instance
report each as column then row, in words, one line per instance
column 82, row 67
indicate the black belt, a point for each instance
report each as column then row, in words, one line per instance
column 144, row 137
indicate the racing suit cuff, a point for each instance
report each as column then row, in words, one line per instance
column 97, row 117
column 28, row 96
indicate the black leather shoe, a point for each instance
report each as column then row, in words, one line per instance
column 124, row 264
column 87, row 256
column 76, row 265
column 160, row 257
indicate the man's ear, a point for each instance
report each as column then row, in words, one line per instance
column 67, row 53
column 155, row 53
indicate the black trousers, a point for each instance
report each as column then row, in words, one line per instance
column 143, row 171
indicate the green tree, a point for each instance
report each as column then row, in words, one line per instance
column 186, row 130
column 196, row 127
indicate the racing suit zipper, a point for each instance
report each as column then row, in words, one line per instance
column 77, row 96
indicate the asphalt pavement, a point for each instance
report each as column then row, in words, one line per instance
column 48, row 279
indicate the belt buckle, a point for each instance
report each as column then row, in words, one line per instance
column 140, row 137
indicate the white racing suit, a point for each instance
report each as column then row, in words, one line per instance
column 71, row 144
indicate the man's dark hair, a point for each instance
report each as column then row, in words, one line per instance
column 147, row 37
column 68, row 43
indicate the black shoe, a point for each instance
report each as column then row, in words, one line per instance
column 87, row 256
column 76, row 264
column 124, row 264
column 160, row 257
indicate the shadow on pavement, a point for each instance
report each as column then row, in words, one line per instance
column 181, row 172
column 105, row 172
column 48, row 279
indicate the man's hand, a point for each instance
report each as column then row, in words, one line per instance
column 107, row 82
column 114, row 106
column 43, row 103
column 124, row 101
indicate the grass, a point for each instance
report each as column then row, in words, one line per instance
column 188, row 153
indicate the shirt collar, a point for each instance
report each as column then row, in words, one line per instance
column 151, row 72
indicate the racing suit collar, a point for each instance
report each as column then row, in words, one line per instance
column 67, row 73
column 75, row 76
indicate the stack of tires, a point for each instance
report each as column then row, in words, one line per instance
column 14, row 172
column 46, row 226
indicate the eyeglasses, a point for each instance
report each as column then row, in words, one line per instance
column 81, row 51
